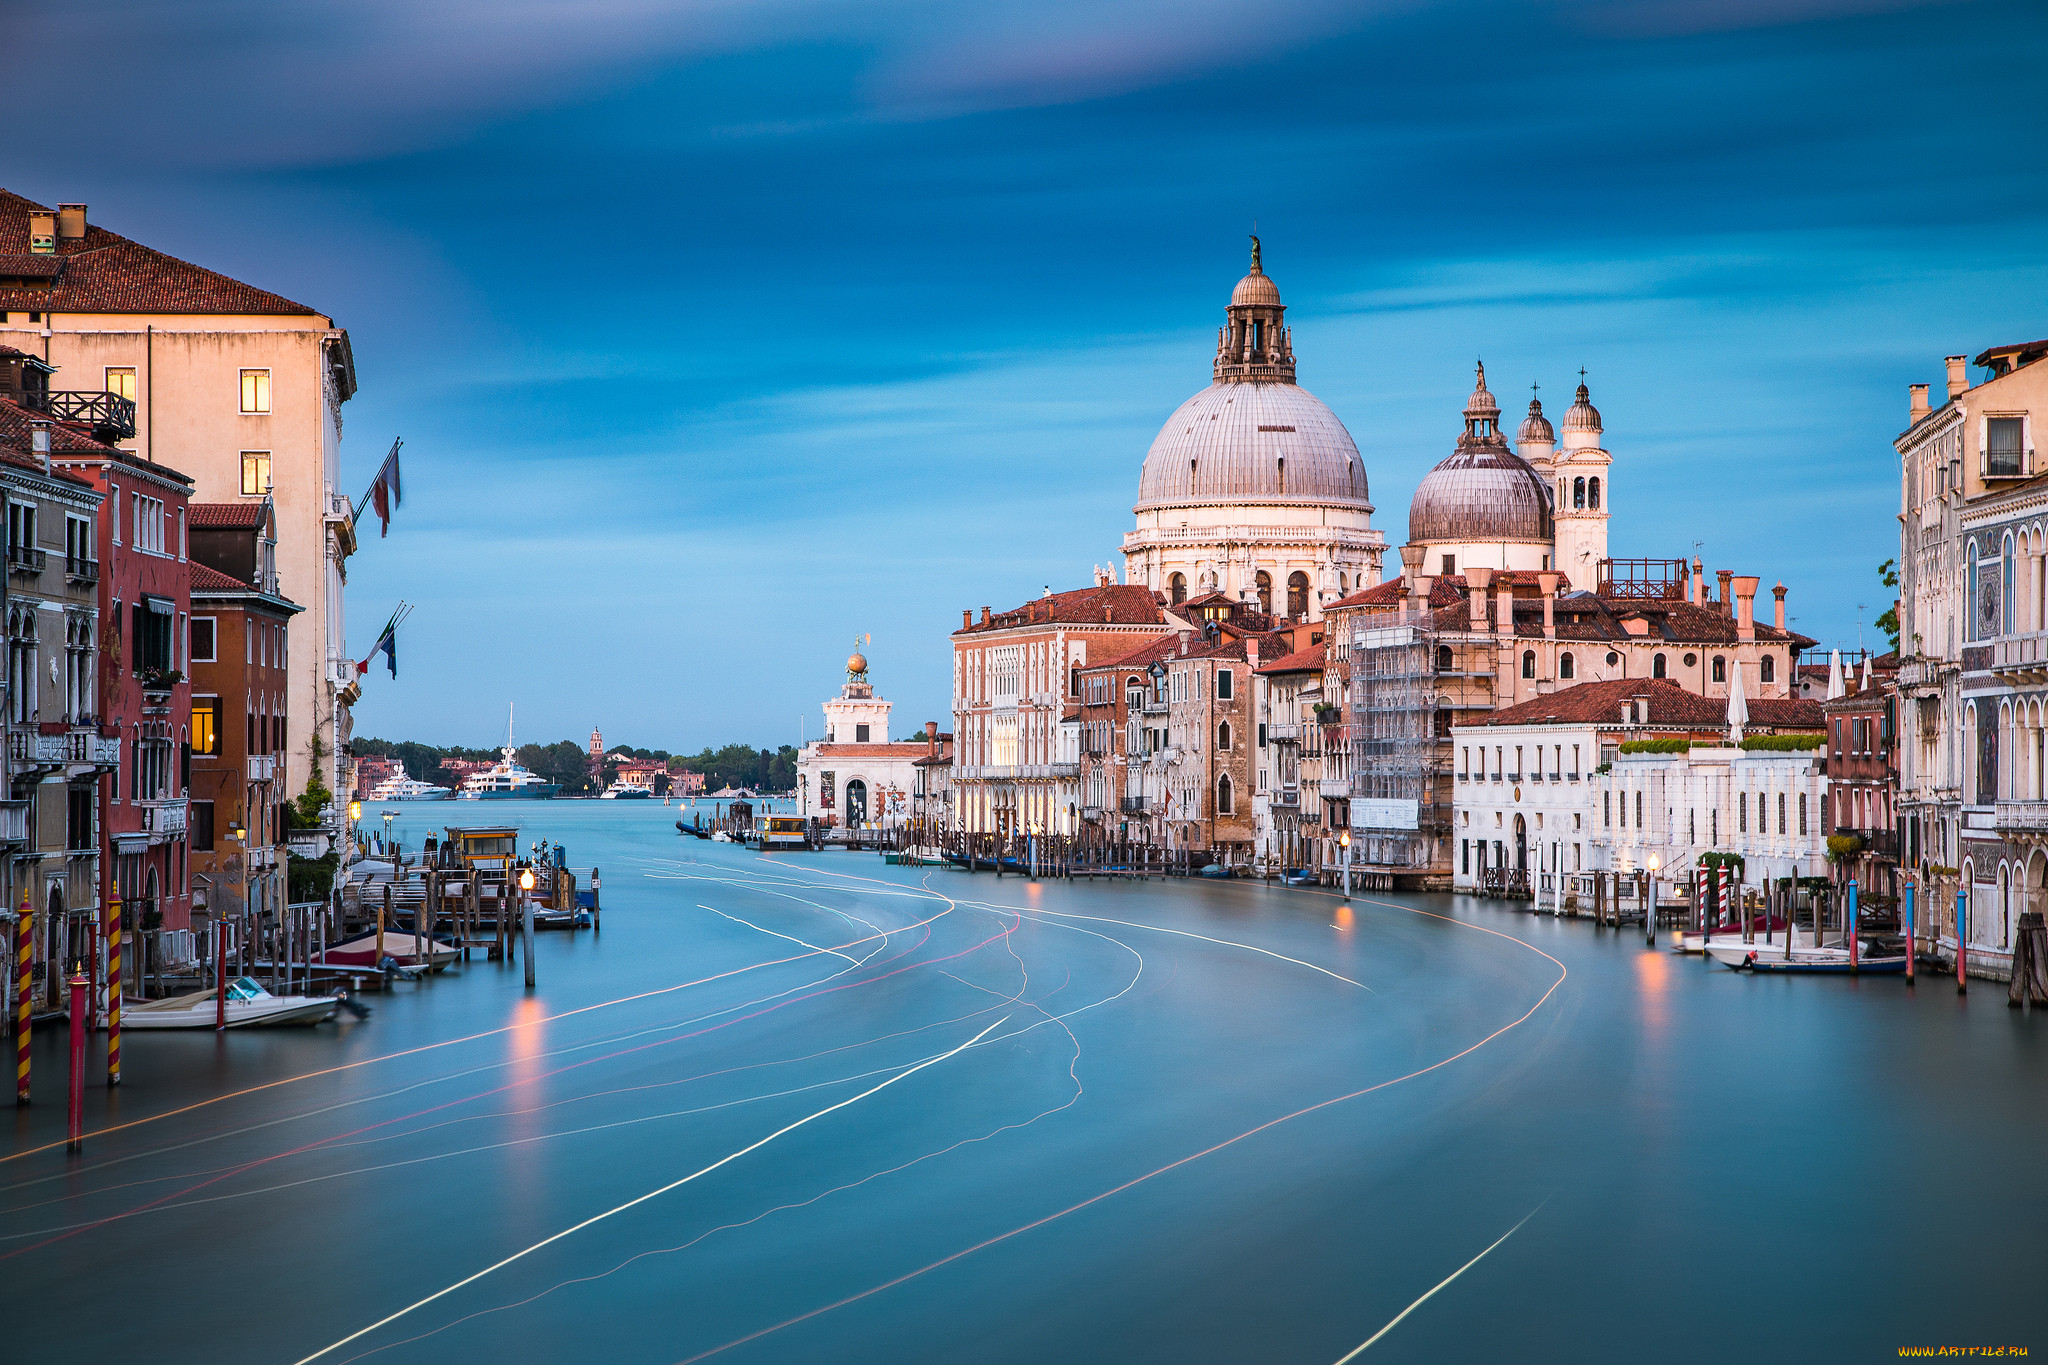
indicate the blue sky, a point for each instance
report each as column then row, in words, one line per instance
column 720, row 332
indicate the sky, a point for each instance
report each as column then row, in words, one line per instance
column 719, row 333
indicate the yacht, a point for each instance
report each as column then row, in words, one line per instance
column 505, row 779
column 399, row 787
column 626, row 791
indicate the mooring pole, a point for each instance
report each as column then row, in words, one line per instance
column 1910, row 954
column 80, row 987
column 220, row 974
column 1962, row 937
column 24, row 1007
column 114, row 993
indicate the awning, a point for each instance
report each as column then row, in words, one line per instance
column 162, row 606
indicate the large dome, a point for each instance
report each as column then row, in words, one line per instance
column 1480, row 495
column 1238, row 441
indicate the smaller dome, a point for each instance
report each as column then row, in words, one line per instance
column 1535, row 427
column 1256, row 289
column 856, row 662
column 1582, row 415
column 1480, row 494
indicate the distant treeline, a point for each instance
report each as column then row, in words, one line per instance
column 567, row 763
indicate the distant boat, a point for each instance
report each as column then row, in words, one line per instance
column 399, row 787
column 506, row 778
column 626, row 791
column 249, row 1006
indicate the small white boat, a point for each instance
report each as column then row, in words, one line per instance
column 1697, row 943
column 399, row 787
column 249, row 1006
column 1874, row 958
column 627, row 791
column 721, row 837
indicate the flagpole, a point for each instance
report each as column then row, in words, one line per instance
column 355, row 511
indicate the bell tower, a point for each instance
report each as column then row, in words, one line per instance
column 1580, row 474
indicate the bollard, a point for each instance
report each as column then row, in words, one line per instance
column 24, row 1007
column 114, row 993
column 79, row 1006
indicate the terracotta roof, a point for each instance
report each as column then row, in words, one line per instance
column 17, row 425
column 103, row 272
column 872, row 750
column 238, row 516
column 1123, row 604
column 213, row 580
column 1671, row 706
column 1300, row 661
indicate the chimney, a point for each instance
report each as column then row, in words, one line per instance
column 931, row 738
column 1958, row 378
column 1779, row 616
column 1504, row 609
column 984, row 615
column 39, row 443
column 1476, row 580
column 1548, row 582
column 1699, row 583
column 1917, row 408
column 1411, row 567
column 1745, row 608
column 70, row 222
column 1251, row 652
column 42, row 232
column 1725, row 575
column 967, row 618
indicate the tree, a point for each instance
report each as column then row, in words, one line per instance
column 563, row 763
column 1888, row 574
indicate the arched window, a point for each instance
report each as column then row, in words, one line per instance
column 1528, row 663
column 1593, row 493
column 1223, row 735
column 1767, row 668
column 1297, row 594
column 1224, row 802
column 1578, row 492
column 1340, row 585
column 1657, row 666
column 1970, row 593
column 1720, row 669
column 1177, row 589
column 2006, row 580
column 1263, row 587
column 1565, row 667
column 1443, row 659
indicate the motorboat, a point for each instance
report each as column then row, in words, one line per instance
column 626, row 791
column 1694, row 942
column 1875, row 956
column 507, row 779
column 248, row 1006
column 402, row 948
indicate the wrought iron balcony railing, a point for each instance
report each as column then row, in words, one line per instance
column 26, row 558
column 82, row 570
column 111, row 417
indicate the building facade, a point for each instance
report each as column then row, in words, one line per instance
column 1973, row 621
column 237, row 387
column 57, row 753
column 854, row 775
column 241, row 696
column 1287, row 801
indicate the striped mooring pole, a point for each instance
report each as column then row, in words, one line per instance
column 24, row 987
column 114, row 993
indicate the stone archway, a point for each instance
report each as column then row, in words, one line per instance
column 856, row 801
column 1521, row 844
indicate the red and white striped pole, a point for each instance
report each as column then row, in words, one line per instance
column 114, row 993
column 24, row 988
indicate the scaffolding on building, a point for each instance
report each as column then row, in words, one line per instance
column 1399, row 733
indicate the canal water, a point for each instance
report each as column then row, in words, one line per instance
column 812, row 1107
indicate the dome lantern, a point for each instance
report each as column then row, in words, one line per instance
column 1254, row 342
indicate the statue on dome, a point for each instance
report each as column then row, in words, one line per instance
column 1255, row 253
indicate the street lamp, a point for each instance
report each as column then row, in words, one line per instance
column 1344, row 852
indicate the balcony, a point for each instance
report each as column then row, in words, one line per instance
column 1287, row 797
column 2021, row 658
column 1334, row 786
column 82, row 570
column 1283, row 734
column 111, row 417
column 163, row 817
column 2020, row 817
column 1091, row 813
column 26, row 559
column 1131, row 805
column 1153, row 707
column 262, row 767
column 13, row 822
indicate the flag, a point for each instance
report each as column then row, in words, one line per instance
column 387, row 643
column 387, row 492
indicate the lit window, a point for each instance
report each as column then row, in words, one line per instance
column 255, row 472
column 121, row 381
column 255, row 391
column 206, row 724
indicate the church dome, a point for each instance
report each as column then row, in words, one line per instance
column 1482, row 491
column 1256, row 288
column 1240, row 441
column 1582, row 415
column 1535, row 427
column 1480, row 495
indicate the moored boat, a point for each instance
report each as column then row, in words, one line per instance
column 248, row 1006
column 400, row 947
column 1875, row 956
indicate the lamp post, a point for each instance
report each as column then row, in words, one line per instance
column 1344, row 854
column 526, row 919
